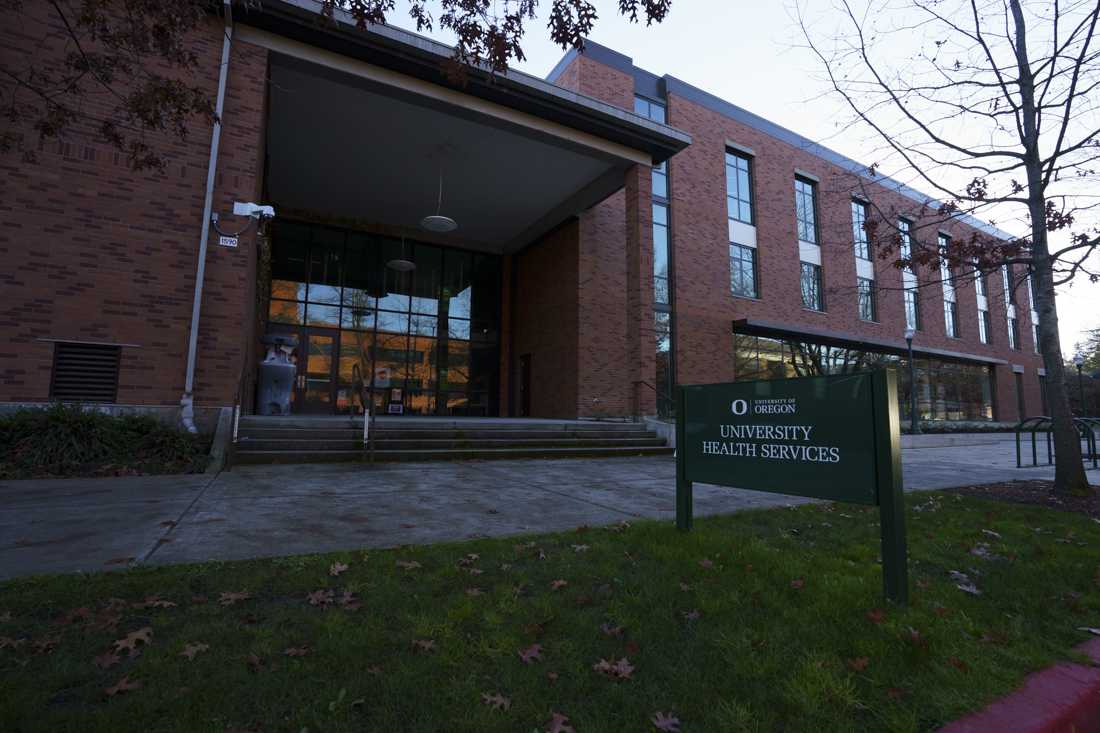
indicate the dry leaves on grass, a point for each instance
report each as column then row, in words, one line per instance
column 666, row 723
column 706, row 562
column 858, row 664
column 154, row 601
column 496, row 701
column 321, row 598
column 876, row 615
column 106, row 660
column 580, row 548
column 349, row 602
column 469, row 559
column 692, row 615
column 230, row 598
column 123, row 685
column 620, row 670
column 6, row 642
column 531, row 654
column 558, row 584
column 192, row 650
column 256, row 664
column 131, row 641
column 424, row 646
column 408, row 564
column 559, row 724
column 297, row 651
column 798, row 583
column 337, row 568
column 610, row 630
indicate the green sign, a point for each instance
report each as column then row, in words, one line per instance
column 834, row 438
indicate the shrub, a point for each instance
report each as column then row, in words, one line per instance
column 64, row 440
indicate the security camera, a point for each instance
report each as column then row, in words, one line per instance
column 256, row 211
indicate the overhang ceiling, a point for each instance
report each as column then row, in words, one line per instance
column 342, row 146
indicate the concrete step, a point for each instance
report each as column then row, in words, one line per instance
column 298, row 422
column 455, row 442
column 254, row 457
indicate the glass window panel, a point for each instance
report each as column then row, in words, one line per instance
column 660, row 290
column 427, row 279
column 743, row 271
column 457, row 295
column 660, row 183
column 454, row 367
column 391, row 322
column 283, row 311
column 660, row 250
column 421, row 325
column 641, row 106
column 355, row 317
column 288, row 290
column 458, row 328
column 805, row 213
column 421, row 361
column 660, row 214
column 327, row 316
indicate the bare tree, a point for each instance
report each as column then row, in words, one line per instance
column 991, row 105
column 126, row 71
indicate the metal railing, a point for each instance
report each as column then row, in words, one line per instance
column 238, row 404
column 1087, row 430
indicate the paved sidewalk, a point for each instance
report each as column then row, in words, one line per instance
column 96, row 524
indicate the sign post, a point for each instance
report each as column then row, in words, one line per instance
column 833, row 437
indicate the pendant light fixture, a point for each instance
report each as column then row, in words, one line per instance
column 402, row 263
column 437, row 222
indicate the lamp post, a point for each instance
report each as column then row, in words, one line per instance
column 1079, row 361
column 914, row 424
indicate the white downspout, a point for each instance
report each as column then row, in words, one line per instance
column 187, row 411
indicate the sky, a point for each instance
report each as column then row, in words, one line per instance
column 751, row 54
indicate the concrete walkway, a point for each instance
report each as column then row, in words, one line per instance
column 95, row 524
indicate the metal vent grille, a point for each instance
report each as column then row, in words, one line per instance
column 85, row 372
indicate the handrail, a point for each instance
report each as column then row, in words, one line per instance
column 659, row 393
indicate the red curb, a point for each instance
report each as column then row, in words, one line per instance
column 1064, row 698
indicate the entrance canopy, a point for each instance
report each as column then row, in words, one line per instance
column 369, row 139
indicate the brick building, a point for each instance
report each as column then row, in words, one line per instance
column 617, row 233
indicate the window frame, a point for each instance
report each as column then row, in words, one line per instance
column 755, row 295
column 650, row 103
column 812, row 185
column 861, row 241
column 866, row 291
column 749, row 172
column 951, row 319
column 819, row 286
column 914, row 294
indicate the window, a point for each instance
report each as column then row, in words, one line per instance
column 866, row 294
column 650, row 108
column 859, row 230
column 912, row 309
column 812, row 297
column 660, row 180
column 662, row 327
column 951, row 318
column 738, row 187
column 1035, row 335
column 984, row 326
column 1013, row 333
column 743, row 271
column 1006, row 279
column 660, row 253
column 979, row 282
column 904, row 231
column 805, row 209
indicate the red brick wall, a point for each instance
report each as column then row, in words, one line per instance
column 544, row 321
column 705, row 308
column 97, row 252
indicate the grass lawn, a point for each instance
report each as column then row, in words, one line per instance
column 766, row 620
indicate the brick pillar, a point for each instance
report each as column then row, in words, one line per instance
column 641, row 343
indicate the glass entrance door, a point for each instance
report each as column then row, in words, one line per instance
column 316, row 385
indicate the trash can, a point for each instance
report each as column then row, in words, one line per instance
column 277, row 373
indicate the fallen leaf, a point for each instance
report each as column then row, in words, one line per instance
column 858, row 664
column 969, row 588
column 917, row 639
column 797, row 583
column 123, row 685
column 475, row 571
column 256, row 664
column 552, row 676
column 580, row 548
column 959, row 664
column 199, row 599
column 610, row 630
column 941, row 611
column 469, row 559
column 559, row 724
column 496, row 701
column 531, row 654
column 375, row 670
column 923, row 585
column 154, row 601
column 667, row 723
column 131, row 641
column 685, row 587
column 230, row 598
column 349, row 602
column 407, row 564
column 424, row 645
column 192, row 650
column 506, row 566
column 706, row 563
column 297, row 651
column 692, row 615
column 106, row 660
column 620, row 670
column 557, row 584
column 337, row 568
column 876, row 615
column 322, row 598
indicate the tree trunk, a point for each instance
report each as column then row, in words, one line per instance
column 1069, row 471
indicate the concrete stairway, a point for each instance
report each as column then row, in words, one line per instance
column 333, row 439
